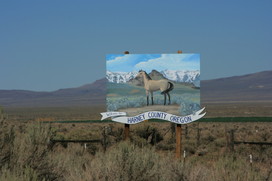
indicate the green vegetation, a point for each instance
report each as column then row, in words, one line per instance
column 237, row 119
column 27, row 153
column 92, row 114
column 224, row 119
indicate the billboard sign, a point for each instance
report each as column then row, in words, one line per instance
column 153, row 86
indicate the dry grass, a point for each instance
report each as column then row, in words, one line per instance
column 55, row 113
column 26, row 152
column 238, row 109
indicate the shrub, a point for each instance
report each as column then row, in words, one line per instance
column 228, row 168
column 150, row 134
column 26, row 174
column 26, row 153
column 2, row 114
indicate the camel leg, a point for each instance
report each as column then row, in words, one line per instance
column 169, row 99
column 164, row 99
column 152, row 98
column 147, row 98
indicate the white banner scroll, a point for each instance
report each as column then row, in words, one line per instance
column 118, row 117
column 106, row 115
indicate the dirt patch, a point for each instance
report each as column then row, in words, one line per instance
column 111, row 95
column 134, row 91
column 172, row 109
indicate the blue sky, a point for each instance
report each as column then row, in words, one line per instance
column 48, row 45
column 148, row 62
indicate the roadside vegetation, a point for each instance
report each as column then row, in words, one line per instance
column 26, row 152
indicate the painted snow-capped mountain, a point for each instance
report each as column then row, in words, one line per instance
column 189, row 76
column 120, row 77
column 174, row 75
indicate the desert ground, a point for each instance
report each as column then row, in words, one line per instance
column 27, row 151
column 232, row 109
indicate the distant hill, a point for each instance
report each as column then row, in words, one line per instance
column 86, row 95
column 246, row 88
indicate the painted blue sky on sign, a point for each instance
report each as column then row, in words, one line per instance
column 148, row 62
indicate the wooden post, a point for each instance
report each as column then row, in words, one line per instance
column 178, row 135
column 198, row 135
column 178, row 141
column 232, row 140
column 186, row 132
column 126, row 135
column 104, row 141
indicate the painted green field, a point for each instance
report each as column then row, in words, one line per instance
column 121, row 96
column 115, row 90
